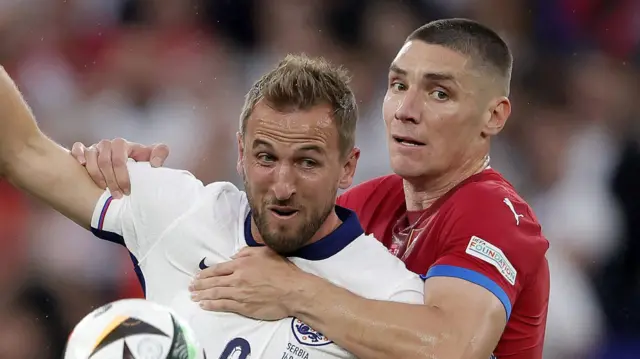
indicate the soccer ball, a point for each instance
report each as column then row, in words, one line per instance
column 132, row 329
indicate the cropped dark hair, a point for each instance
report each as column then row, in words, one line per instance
column 468, row 37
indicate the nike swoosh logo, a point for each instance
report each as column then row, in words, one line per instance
column 202, row 265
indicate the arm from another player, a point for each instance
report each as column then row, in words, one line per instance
column 33, row 162
column 38, row 165
column 457, row 320
column 485, row 256
column 466, row 305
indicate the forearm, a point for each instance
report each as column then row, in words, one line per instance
column 17, row 124
column 48, row 172
column 33, row 162
column 378, row 329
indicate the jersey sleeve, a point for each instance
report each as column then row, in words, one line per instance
column 410, row 290
column 158, row 197
column 491, row 240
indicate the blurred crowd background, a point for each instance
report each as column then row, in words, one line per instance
column 175, row 71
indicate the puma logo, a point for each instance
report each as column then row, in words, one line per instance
column 513, row 210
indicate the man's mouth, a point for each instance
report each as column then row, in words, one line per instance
column 283, row 211
column 407, row 141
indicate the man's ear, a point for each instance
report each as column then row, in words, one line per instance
column 349, row 169
column 240, row 162
column 499, row 112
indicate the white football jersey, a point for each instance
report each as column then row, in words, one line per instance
column 174, row 226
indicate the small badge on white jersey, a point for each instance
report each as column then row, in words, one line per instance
column 491, row 254
column 306, row 335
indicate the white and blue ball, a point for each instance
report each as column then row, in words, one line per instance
column 133, row 329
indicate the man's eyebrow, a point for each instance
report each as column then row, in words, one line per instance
column 430, row 76
column 395, row 68
column 305, row 148
column 261, row 143
column 311, row 148
column 438, row 76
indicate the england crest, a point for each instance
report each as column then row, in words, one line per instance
column 305, row 335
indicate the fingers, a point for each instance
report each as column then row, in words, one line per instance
column 155, row 154
column 77, row 151
column 218, row 270
column 106, row 168
column 159, row 154
column 106, row 162
column 139, row 152
column 222, row 305
column 91, row 158
column 209, row 283
column 119, row 155
column 215, row 293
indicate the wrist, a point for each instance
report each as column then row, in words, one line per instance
column 306, row 291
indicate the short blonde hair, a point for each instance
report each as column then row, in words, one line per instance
column 299, row 83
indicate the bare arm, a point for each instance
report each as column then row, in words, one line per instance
column 458, row 320
column 35, row 163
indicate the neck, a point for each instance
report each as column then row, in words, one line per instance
column 329, row 225
column 421, row 193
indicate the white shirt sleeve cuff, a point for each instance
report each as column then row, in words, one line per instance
column 105, row 214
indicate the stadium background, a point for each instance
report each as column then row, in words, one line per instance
column 176, row 72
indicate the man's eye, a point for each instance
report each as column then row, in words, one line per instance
column 263, row 157
column 308, row 163
column 398, row 86
column 439, row 95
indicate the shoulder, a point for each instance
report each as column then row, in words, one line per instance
column 370, row 250
column 367, row 249
column 223, row 189
column 377, row 274
column 491, row 197
column 372, row 190
column 488, row 215
column 226, row 196
column 144, row 175
column 218, row 203
column 163, row 192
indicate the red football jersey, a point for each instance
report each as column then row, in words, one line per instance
column 481, row 231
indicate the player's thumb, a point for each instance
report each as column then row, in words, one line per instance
column 159, row 154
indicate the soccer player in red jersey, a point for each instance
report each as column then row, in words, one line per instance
column 447, row 214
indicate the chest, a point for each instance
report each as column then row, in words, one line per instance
column 195, row 243
column 191, row 244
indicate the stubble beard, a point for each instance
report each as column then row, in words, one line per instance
column 286, row 240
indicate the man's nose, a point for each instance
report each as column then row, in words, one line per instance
column 409, row 107
column 284, row 185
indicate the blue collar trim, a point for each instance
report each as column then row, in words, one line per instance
column 347, row 232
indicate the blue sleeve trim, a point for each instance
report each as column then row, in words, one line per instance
column 118, row 239
column 108, row 236
column 473, row 277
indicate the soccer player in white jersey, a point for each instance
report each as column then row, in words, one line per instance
column 296, row 148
